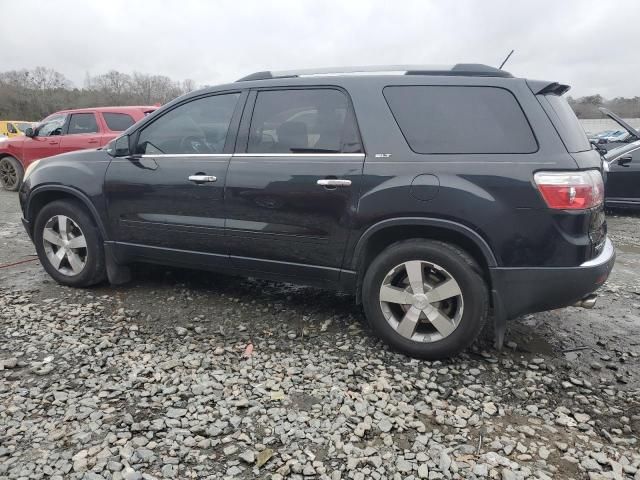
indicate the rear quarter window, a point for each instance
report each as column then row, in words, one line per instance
column 460, row 119
column 565, row 122
column 118, row 122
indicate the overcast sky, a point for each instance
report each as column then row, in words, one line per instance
column 588, row 44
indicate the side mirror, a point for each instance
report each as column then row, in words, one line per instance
column 625, row 161
column 119, row 147
column 30, row 132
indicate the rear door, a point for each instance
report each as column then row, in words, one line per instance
column 293, row 184
column 82, row 132
column 166, row 201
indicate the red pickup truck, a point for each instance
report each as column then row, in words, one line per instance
column 64, row 131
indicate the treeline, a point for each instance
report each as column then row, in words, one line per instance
column 34, row 94
column 587, row 107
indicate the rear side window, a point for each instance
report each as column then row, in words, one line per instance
column 464, row 120
column 303, row 121
column 118, row 122
column 82, row 123
column 566, row 123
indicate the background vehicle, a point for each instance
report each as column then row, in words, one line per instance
column 64, row 131
column 14, row 128
column 433, row 196
column 623, row 176
column 611, row 139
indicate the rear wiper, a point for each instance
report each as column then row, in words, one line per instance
column 312, row 150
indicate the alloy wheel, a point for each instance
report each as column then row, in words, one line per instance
column 65, row 245
column 421, row 301
column 8, row 174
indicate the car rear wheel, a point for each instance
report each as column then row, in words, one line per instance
column 11, row 173
column 69, row 245
column 426, row 299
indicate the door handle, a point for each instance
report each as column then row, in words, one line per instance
column 625, row 161
column 202, row 178
column 92, row 141
column 53, row 143
column 334, row 182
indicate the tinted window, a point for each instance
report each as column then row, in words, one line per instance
column 436, row 119
column 82, row 123
column 118, row 122
column 299, row 121
column 197, row 127
column 51, row 126
column 566, row 123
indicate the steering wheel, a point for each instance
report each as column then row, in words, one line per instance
column 194, row 144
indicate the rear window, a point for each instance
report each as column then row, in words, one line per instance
column 118, row 122
column 456, row 119
column 566, row 123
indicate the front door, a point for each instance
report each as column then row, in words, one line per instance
column 46, row 141
column 166, row 200
column 623, row 178
column 292, row 188
column 82, row 132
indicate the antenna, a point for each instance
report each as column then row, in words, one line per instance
column 506, row 59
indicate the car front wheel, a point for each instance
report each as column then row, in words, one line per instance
column 69, row 245
column 11, row 173
column 425, row 298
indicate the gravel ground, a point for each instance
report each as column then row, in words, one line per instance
column 184, row 374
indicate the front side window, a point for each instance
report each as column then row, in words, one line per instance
column 303, row 121
column 82, row 123
column 458, row 119
column 197, row 127
column 51, row 126
column 11, row 128
column 118, row 122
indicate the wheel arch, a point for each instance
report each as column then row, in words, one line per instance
column 379, row 236
column 41, row 196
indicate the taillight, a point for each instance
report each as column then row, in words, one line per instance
column 571, row 190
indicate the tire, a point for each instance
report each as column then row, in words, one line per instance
column 67, row 248
column 429, row 327
column 11, row 173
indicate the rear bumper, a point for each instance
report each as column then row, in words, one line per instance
column 534, row 289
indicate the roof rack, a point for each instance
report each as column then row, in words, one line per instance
column 460, row 69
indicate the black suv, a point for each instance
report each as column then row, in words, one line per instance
column 436, row 196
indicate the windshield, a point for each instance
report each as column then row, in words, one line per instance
column 616, row 152
column 22, row 126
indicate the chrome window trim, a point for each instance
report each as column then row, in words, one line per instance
column 276, row 155
column 185, row 155
column 270, row 155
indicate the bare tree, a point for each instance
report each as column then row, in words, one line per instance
column 34, row 94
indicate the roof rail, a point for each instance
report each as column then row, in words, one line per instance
column 460, row 69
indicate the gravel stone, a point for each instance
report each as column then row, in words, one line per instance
column 154, row 381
